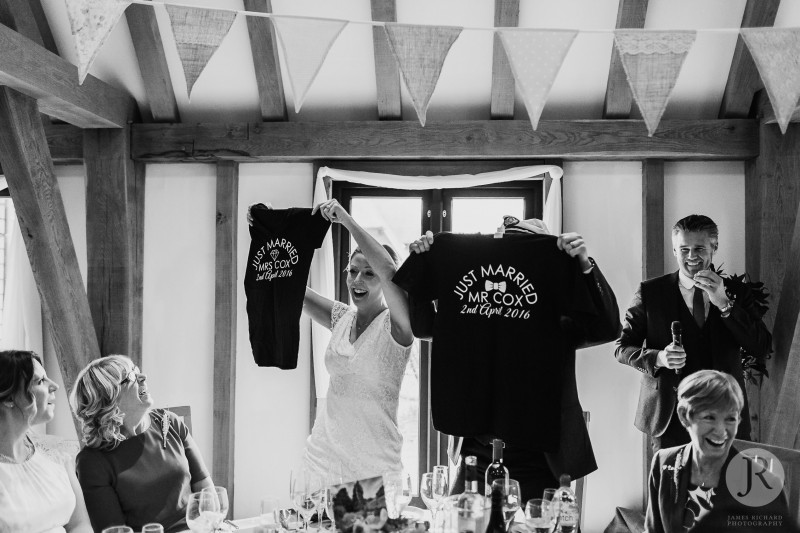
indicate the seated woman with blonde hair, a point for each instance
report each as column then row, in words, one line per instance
column 703, row 485
column 140, row 464
column 38, row 488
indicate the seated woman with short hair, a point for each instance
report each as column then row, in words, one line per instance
column 38, row 488
column 702, row 486
column 140, row 464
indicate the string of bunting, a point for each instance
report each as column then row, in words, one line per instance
column 652, row 59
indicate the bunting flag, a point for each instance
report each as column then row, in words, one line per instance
column 536, row 57
column 420, row 52
column 305, row 43
column 91, row 22
column 652, row 61
column 198, row 33
column 776, row 52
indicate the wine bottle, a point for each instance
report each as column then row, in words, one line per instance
column 497, row 469
column 470, row 503
column 565, row 506
column 497, row 522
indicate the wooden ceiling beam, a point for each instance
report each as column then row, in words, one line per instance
column 619, row 99
column 506, row 15
column 498, row 139
column 264, row 45
column 743, row 78
column 387, row 75
column 46, row 34
column 18, row 15
column 65, row 142
column 45, row 231
column 32, row 70
column 152, row 60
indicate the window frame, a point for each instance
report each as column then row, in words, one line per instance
column 436, row 207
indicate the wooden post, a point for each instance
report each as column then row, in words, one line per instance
column 773, row 198
column 31, row 178
column 111, row 197
column 225, row 326
column 652, row 260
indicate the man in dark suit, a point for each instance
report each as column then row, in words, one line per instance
column 716, row 321
column 536, row 470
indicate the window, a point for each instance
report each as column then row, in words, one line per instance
column 398, row 217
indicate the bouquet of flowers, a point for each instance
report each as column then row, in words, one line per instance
column 752, row 365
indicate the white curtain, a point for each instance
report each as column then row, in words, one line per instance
column 22, row 313
column 322, row 278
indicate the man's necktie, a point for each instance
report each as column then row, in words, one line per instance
column 699, row 307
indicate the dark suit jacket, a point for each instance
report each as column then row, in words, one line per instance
column 646, row 331
column 575, row 455
column 668, row 490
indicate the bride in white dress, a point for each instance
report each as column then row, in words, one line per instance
column 355, row 434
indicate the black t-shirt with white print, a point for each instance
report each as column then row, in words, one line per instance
column 496, row 367
column 281, row 249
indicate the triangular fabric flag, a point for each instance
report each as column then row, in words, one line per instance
column 652, row 61
column 91, row 22
column 420, row 52
column 536, row 57
column 305, row 43
column 198, row 33
column 776, row 52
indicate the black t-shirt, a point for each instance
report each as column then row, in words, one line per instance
column 496, row 367
column 281, row 249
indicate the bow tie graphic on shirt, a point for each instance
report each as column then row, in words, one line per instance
column 491, row 286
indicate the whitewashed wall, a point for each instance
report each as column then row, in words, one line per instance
column 602, row 200
column 272, row 405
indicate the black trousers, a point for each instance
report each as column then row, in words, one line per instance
column 675, row 435
column 528, row 467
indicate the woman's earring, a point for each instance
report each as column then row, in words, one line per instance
column 8, row 404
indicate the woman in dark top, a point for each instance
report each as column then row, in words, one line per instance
column 708, row 485
column 139, row 465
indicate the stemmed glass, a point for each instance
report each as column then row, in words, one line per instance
column 538, row 516
column 433, row 488
column 221, row 496
column 511, row 498
column 202, row 511
column 397, row 487
column 303, row 492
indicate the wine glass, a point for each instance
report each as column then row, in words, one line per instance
column 221, row 495
column 512, row 497
column 548, row 494
column 538, row 516
column 426, row 493
column 397, row 489
column 441, row 483
column 269, row 519
column 118, row 529
column 152, row 528
column 202, row 511
column 302, row 490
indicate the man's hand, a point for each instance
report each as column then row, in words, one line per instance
column 712, row 283
column 575, row 246
column 672, row 357
column 423, row 244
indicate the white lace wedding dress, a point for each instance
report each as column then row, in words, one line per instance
column 355, row 434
